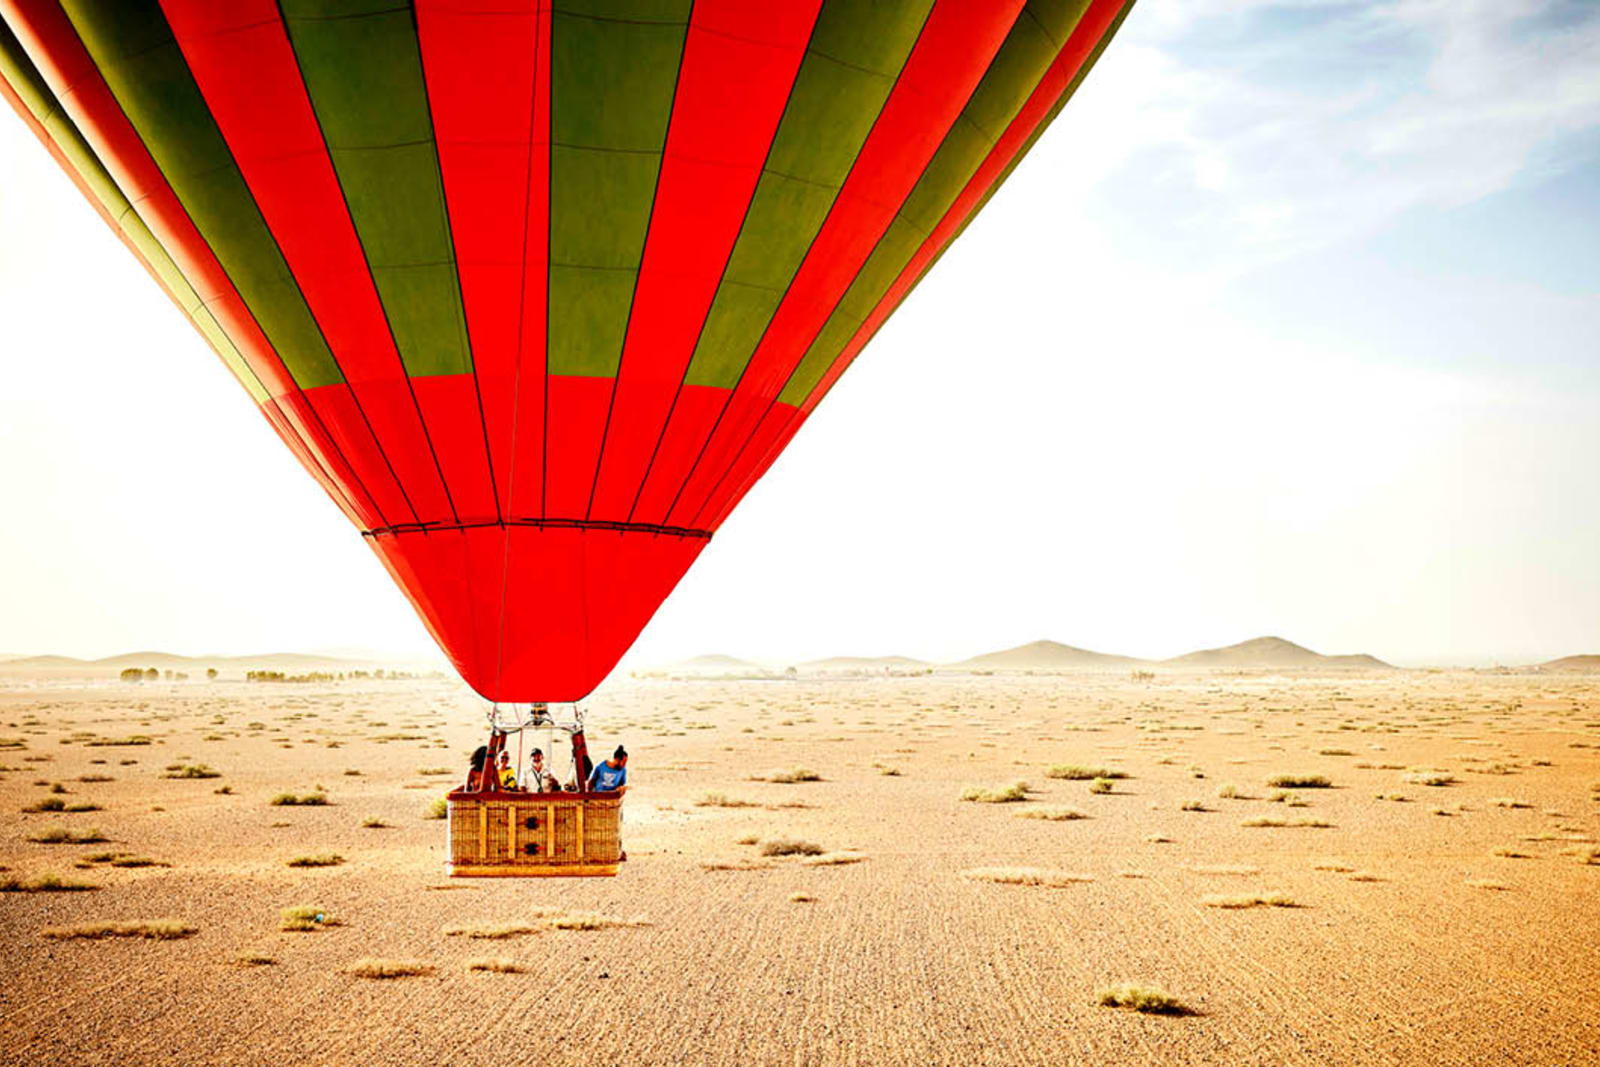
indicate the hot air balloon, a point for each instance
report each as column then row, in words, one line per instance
column 538, row 289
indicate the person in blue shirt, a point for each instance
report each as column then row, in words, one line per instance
column 612, row 775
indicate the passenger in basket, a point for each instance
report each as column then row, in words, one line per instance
column 508, row 776
column 542, row 780
column 612, row 775
column 475, row 768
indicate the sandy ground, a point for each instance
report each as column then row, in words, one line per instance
column 1398, row 957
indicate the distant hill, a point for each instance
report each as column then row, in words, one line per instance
column 1045, row 656
column 717, row 662
column 1589, row 664
column 1274, row 652
column 164, row 661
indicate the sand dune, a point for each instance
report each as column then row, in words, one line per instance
column 1271, row 652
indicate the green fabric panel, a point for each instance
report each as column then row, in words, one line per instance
column 613, row 74
column 132, row 46
column 1014, row 72
column 994, row 187
column 20, row 73
column 363, row 71
column 857, row 51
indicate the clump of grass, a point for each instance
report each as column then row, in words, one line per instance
column 1299, row 781
column 723, row 800
column 190, row 770
column 1229, row 791
column 44, row 883
column 588, row 920
column 1249, row 900
column 888, row 771
column 802, row 898
column 496, row 932
column 95, row 778
column 1316, row 824
column 1150, row 1000
column 748, row 839
column 733, row 865
column 1433, row 778
column 1364, row 876
column 1487, row 883
column 372, row 822
column 782, row 846
column 1100, row 786
column 790, row 776
column 1335, row 752
column 1225, row 868
column 1338, row 866
column 1052, row 814
column 322, row 859
column 1510, row 802
column 833, row 859
column 1512, row 854
column 45, row 804
column 305, row 919
column 1192, row 805
column 1036, row 876
column 154, row 929
column 61, row 835
column 435, row 770
column 371, row 967
column 1399, row 798
column 496, row 965
column 303, row 800
column 254, row 959
column 1009, row 794
column 112, row 742
column 1073, row 772
column 129, row 860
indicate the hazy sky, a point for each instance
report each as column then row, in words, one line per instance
column 1290, row 324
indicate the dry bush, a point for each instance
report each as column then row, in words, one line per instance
column 497, row 932
column 305, row 918
column 1192, row 805
column 1338, row 866
column 321, row 859
column 60, row 835
column 438, row 808
column 789, row 777
column 801, row 898
column 1230, row 791
column 254, row 959
column 1364, row 876
column 782, row 846
column 1299, row 781
column 1157, row 839
column 1487, row 883
column 1009, row 794
column 128, row 859
column 1433, row 778
column 1151, row 1000
column 374, row 823
column 734, row 865
column 1317, row 824
column 833, row 859
column 1335, row 752
column 44, row 883
column 1399, row 798
column 1074, row 773
column 496, row 965
column 371, row 967
column 190, row 770
column 1224, row 868
column 1052, row 814
column 1512, row 854
column 155, row 929
column 1100, row 785
column 1509, row 802
column 1249, row 900
column 588, row 920
column 1025, row 876
column 303, row 800
column 723, row 800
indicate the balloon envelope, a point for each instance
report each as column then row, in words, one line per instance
column 537, row 290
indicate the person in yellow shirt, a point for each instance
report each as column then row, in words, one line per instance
column 508, row 777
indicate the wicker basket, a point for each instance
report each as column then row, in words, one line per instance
column 534, row 834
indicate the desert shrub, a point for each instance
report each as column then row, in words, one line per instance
column 497, row 932
column 1229, row 791
column 1433, row 778
column 374, row 823
column 495, row 965
column 60, row 835
column 801, row 898
column 96, row 777
column 1072, row 772
column 1151, row 1000
column 1487, row 883
column 324, row 859
column 254, row 959
column 1335, row 752
column 155, row 929
column 44, row 883
column 1100, row 785
column 722, row 800
column 781, row 846
column 190, row 770
column 1192, row 805
column 790, row 776
column 1009, row 794
column 1035, row 876
column 304, row 800
column 1299, row 781
column 370, row 967
column 305, row 918
column 45, row 804
column 1249, row 900
column 1510, row 802
column 1052, row 814
column 833, row 859
column 438, row 808
column 1270, row 822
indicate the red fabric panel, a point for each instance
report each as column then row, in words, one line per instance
column 449, row 404
column 578, row 406
column 950, row 58
column 739, row 62
column 53, row 45
column 693, row 417
column 574, row 601
column 1086, row 36
column 487, row 68
column 246, row 70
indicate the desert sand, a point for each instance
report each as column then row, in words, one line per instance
column 1455, row 923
